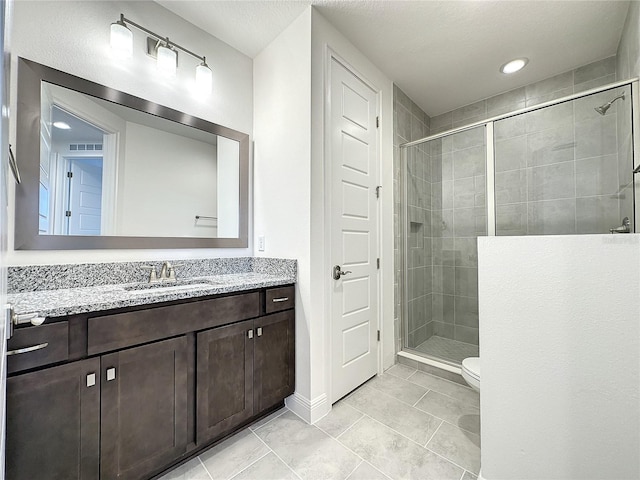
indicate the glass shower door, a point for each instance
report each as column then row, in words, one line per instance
column 445, row 185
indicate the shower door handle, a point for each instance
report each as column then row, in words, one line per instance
column 338, row 272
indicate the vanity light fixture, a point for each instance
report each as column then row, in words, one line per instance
column 164, row 50
column 514, row 65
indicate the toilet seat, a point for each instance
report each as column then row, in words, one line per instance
column 471, row 371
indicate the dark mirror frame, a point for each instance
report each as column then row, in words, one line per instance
column 30, row 76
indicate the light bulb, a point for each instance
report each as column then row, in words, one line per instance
column 121, row 39
column 167, row 61
column 204, row 78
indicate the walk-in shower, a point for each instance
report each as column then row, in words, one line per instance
column 561, row 167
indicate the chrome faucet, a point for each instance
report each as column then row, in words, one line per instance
column 624, row 228
column 168, row 272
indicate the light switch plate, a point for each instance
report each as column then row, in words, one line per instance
column 261, row 243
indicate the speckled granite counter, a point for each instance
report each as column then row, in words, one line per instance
column 68, row 301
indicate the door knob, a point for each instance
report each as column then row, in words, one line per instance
column 338, row 272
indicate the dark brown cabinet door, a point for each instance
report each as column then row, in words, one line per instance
column 144, row 408
column 224, row 379
column 53, row 427
column 274, row 359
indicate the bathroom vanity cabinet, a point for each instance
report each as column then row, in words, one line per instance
column 127, row 393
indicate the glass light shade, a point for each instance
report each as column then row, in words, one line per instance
column 204, row 78
column 167, row 61
column 121, row 40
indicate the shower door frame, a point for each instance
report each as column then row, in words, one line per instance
column 490, row 191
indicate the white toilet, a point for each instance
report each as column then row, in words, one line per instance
column 471, row 372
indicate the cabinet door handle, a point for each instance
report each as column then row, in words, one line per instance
column 111, row 374
column 250, row 334
column 259, row 330
column 91, row 379
column 281, row 299
column 28, row 349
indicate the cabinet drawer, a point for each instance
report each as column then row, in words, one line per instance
column 54, row 335
column 121, row 330
column 282, row 298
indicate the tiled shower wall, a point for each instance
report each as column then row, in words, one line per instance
column 458, row 251
column 411, row 123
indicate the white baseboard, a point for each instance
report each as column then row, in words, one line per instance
column 309, row 410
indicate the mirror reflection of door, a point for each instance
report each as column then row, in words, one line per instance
column 75, row 175
column 84, row 205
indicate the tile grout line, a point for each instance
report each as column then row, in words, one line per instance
column 249, row 465
column 204, row 466
column 362, row 415
column 414, row 442
column 278, row 456
column 418, row 401
column 349, row 449
column 356, row 467
column 284, row 410
column 434, row 434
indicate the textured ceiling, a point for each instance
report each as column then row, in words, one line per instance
column 443, row 54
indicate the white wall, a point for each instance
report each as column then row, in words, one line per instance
column 167, row 180
column 73, row 36
column 560, row 350
column 282, row 129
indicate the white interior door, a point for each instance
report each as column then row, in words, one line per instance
column 85, row 196
column 354, row 230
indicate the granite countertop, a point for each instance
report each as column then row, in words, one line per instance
column 68, row 301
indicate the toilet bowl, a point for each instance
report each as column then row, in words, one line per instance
column 471, row 372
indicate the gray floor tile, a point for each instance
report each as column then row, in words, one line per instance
column 464, row 394
column 397, row 387
column 233, row 455
column 269, row 467
column 459, row 446
column 410, row 422
column 469, row 476
column 452, row 410
column 341, row 417
column 395, row 455
column 310, row 452
column 192, row 470
column 268, row 418
column 400, row 370
column 366, row 471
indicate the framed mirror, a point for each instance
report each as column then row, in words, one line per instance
column 104, row 169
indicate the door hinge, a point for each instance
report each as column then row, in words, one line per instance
column 378, row 191
column 67, row 213
column 378, row 263
column 69, row 174
column 378, row 335
column 377, row 122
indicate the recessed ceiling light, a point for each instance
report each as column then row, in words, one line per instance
column 61, row 125
column 514, row 65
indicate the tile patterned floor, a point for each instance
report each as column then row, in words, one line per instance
column 451, row 350
column 405, row 424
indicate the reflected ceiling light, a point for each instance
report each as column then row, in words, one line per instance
column 514, row 65
column 121, row 39
column 62, row 125
column 164, row 51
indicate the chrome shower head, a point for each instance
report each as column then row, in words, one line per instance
column 602, row 109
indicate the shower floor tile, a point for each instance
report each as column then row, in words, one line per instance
column 447, row 349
